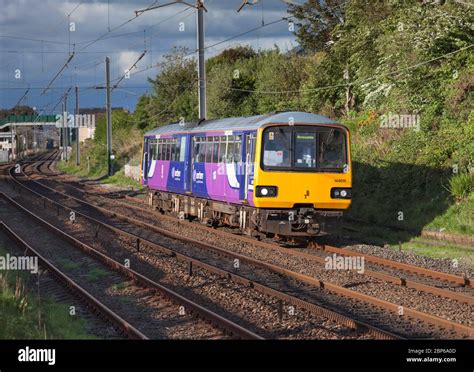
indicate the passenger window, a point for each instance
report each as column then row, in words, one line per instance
column 230, row 151
column 182, row 149
column 158, row 150
column 209, row 149
column 223, row 150
column 215, row 153
column 237, row 149
column 202, row 151
column 196, row 146
column 173, row 150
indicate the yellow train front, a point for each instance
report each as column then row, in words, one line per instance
column 282, row 174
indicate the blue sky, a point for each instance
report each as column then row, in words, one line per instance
column 35, row 39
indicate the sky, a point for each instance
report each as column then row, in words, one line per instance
column 36, row 42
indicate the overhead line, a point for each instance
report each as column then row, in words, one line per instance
column 22, row 97
column 58, row 73
column 114, row 29
column 130, row 69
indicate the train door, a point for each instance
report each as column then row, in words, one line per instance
column 198, row 166
column 145, row 162
column 248, row 166
column 188, row 158
column 177, row 171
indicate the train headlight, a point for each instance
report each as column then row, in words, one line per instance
column 266, row 191
column 341, row 193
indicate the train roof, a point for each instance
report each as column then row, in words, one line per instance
column 243, row 122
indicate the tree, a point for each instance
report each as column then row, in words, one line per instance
column 316, row 21
column 175, row 90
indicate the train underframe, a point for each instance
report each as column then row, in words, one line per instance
column 296, row 224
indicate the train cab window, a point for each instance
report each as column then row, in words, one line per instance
column 312, row 148
column 277, row 147
column 332, row 149
column 305, row 149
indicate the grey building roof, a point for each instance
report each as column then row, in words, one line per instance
column 243, row 122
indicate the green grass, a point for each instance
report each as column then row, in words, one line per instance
column 119, row 179
column 437, row 251
column 23, row 316
column 458, row 218
column 97, row 274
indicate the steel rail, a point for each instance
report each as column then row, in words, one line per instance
column 194, row 307
column 80, row 292
column 140, row 241
column 438, row 321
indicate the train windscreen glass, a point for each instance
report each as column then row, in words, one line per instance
column 304, row 148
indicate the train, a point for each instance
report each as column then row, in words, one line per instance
column 281, row 175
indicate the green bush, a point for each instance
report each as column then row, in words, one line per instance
column 461, row 185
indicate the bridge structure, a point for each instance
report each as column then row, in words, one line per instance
column 22, row 135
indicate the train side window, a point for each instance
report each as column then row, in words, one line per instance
column 162, row 150
column 152, row 149
column 223, row 149
column 196, row 146
column 182, row 149
column 159, row 149
column 230, row 150
column 215, row 152
column 170, row 151
column 202, row 150
column 237, row 149
column 209, row 148
column 167, row 150
column 173, row 149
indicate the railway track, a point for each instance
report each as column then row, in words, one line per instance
column 300, row 277
column 74, row 288
column 399, row 273
column 97, row 262
column 414, row 271
column 440, row 278
column 347, row 322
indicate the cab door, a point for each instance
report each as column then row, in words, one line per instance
column 145, row 162
column 249, row 166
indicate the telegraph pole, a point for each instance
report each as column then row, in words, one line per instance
column 199, row 6
column 65, row 133
column 201, row 61
column 108, row 116
column 78, row 146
